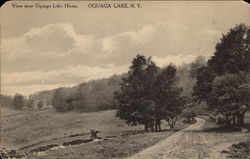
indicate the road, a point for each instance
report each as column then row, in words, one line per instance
column 189, row 143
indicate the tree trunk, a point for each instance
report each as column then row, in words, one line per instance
column 159, row 124
column 156, row 129
column 171, row 126
column 152, row 126
column 171, row 122
column 240, row 119
column 242, row 122
column 146, row 127
column 234, row 119
column 228, row 122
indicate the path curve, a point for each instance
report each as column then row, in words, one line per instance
column 188, row 143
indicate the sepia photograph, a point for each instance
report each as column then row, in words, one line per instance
column 125, row 79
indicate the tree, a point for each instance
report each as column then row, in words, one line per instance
column 203, row 87
column 231, row 97
column 62, row 100
column 30, row 103
column 168, row 96
column 6, row 101
column 232, row 53
column 149, row 94
column 18, row 101
column 135, row 98
column 39, row 104
column 199, row 62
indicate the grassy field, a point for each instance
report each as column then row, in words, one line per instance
column 28, row 130
column 21, row 129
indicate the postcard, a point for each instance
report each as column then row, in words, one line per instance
column 125, row 79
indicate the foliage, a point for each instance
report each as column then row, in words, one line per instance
column 220, row 120
column 230, row 95
column 232, row 56
column 199, row 62
column 6, row 101
column 134, row 98
column 203, row 87
column 239, row 150
column 185, row 81
column 167, row 95
column 62, row 101
column 44, row 96
column 98, row 95
column 39, row 104
column 29, row 103
column 187, row 74
column 18, row 101
column 94, row 95
column 149, row 94
column 227, row 92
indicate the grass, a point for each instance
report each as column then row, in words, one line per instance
column 21, row 130
column 119, row 147
column 41, row 128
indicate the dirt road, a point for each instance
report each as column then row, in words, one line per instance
column 189, row 143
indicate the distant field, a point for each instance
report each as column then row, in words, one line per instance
column 29, row 130
column 5, row 112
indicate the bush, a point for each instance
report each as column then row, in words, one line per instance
column 220, row 120
column 62, row 100
column 18, row 101
column 40, row 105
column 240, row 150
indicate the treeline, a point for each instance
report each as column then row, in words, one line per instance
column 6, row 101
column 43, row 96
column 94, row 95
column 97, row 95
column 19, row 102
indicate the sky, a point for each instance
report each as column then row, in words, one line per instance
column 43, row 49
